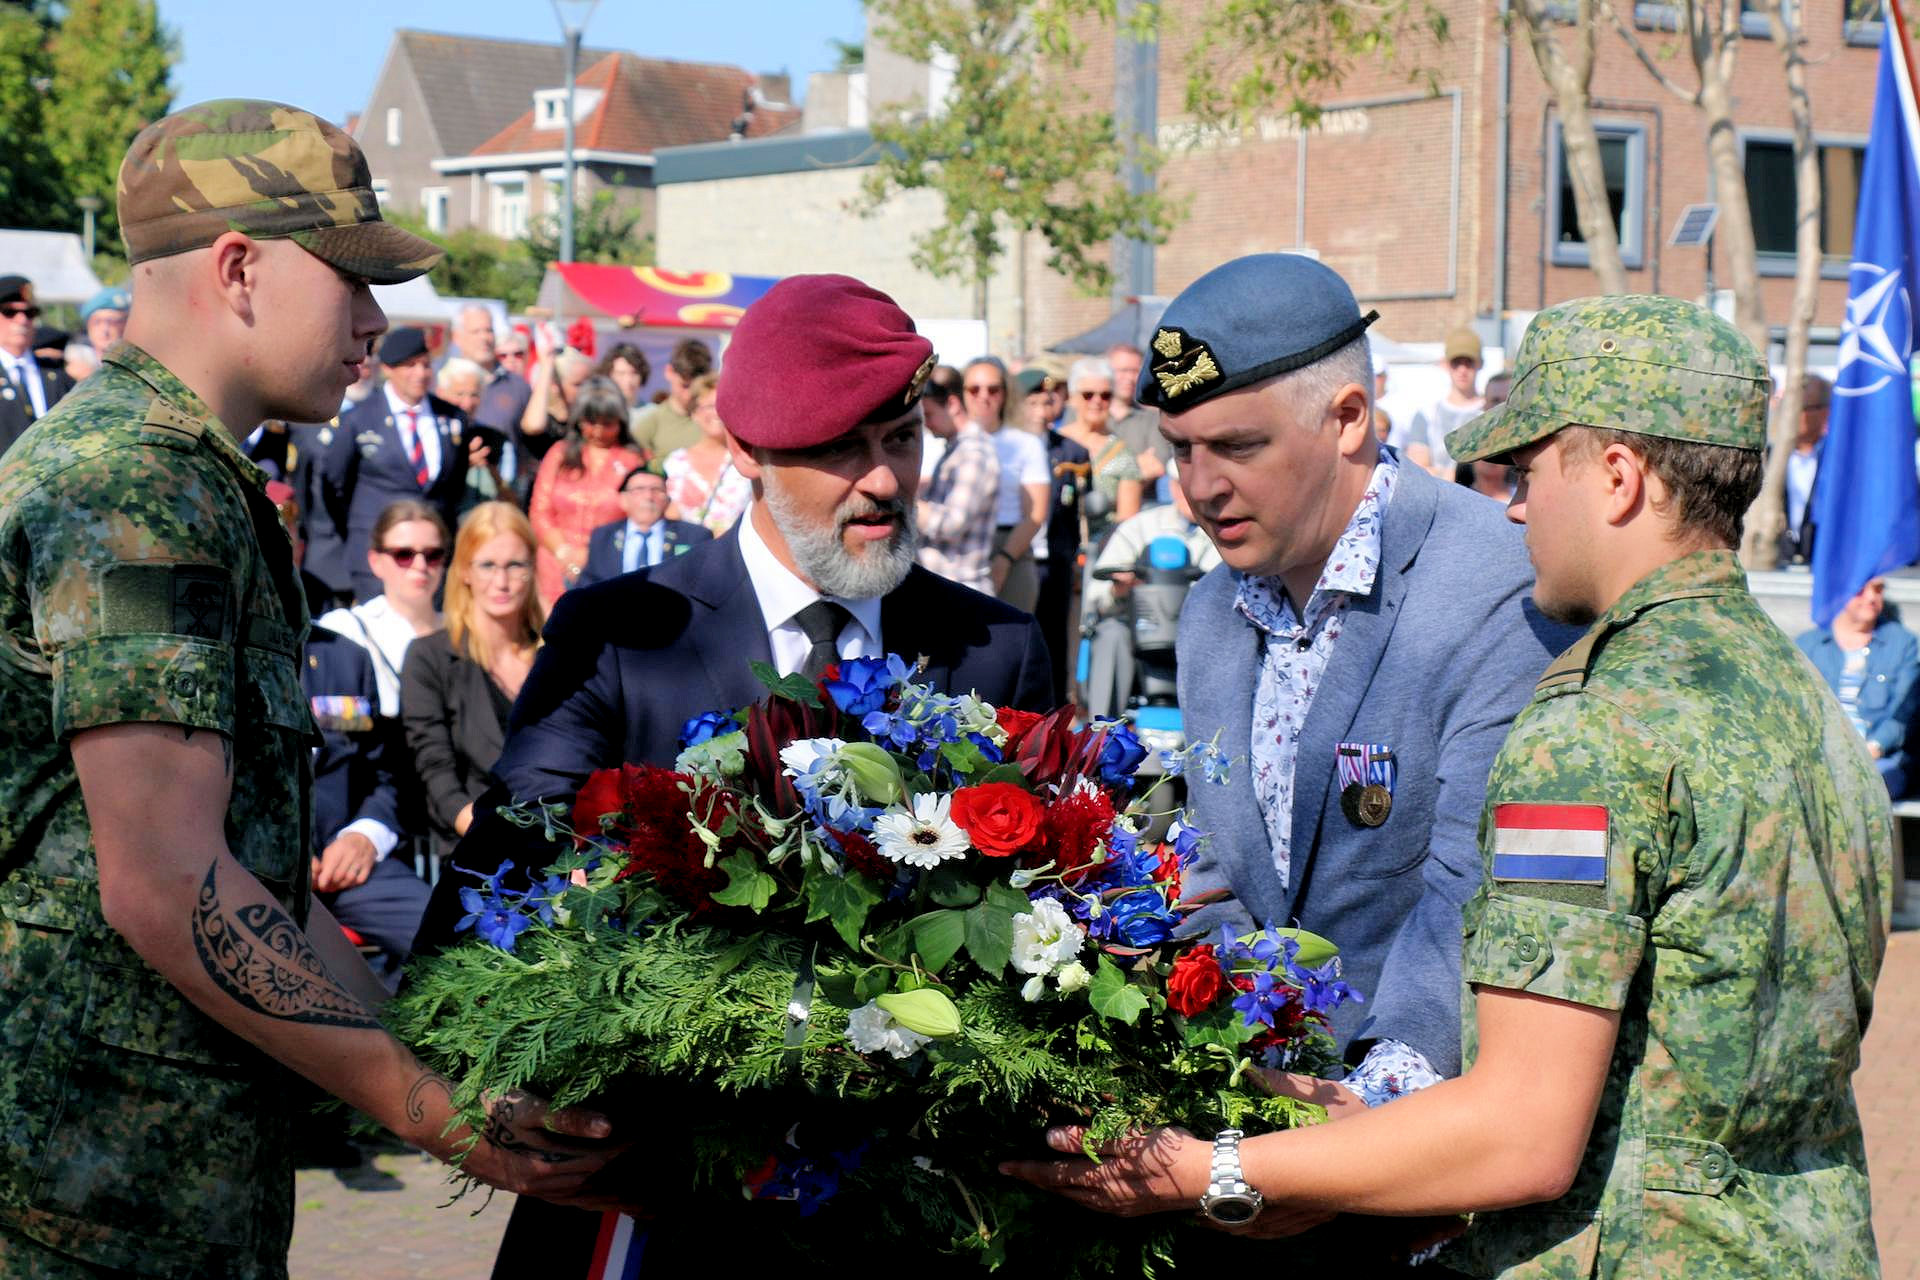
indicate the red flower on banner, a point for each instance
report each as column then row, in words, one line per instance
column 581, row 337
column 1196, row 981
column 1000, row 818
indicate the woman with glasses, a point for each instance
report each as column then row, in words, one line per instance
column 1021, row 510
column 578, row 488
column 458, row 685
column 1116, row 472
column 407, row 552
column 702, row 486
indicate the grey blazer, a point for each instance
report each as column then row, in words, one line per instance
column 1433, row 664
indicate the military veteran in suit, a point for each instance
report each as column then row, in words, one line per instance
column 642, row 539
column 820, row 396
column 400, row 442
column 1361, row 652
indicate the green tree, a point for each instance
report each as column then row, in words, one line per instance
column 605, row 229
column 478, row 264
column 31, row 194
column 111, row 64
column 1010, row 150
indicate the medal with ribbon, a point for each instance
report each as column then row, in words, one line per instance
column 1367, row 772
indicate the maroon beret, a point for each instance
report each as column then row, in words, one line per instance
column 814, row 358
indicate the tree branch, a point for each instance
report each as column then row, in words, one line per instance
column 1689, row 96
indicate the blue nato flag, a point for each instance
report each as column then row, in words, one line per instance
column 1867, row 503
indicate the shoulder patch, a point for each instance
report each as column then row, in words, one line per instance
column 1551, row 850
column 166, row 425
column 1568, row 672
column 147, row 598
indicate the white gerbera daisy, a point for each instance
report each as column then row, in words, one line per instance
column 924, row 838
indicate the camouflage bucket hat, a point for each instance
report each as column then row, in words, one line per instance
column 1627, row 362
column 270, row 171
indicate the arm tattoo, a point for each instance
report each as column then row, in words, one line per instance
column 428, row 1082
column 262, row 960
column 499, row 1132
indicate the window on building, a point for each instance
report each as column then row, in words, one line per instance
column 1863, row 21
column 510, row 207
column 1772, row 200
column 1753, row 18
column 434, row 202
column 1623, row 161
column 393, row 126
column 554, row 187
column 1656, row 17
column 382, row 191
column 550, row 108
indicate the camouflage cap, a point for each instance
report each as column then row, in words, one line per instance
column 1627, row 362
column 270, row 171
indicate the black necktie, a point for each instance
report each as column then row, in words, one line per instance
column 19, row 380
column 822, row 622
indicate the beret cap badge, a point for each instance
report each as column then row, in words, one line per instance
column 1186, row 363
column 919, row 380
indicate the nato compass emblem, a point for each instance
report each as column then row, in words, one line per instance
column 1876, row 338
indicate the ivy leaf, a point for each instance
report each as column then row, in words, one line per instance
column 747, row 884
column 1112, row 996
column 990, row 937
column 1221, row 1025
column 845, row 900
column 949, row 887
column 795, row 687
column 1009, row 899
column 590, row 905
column 939, row 934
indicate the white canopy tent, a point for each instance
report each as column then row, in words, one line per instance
column 55, row 261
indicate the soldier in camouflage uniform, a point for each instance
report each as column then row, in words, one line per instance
column 1689, row 870
column 162, row 962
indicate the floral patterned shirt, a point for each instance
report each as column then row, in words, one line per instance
column 1298, row 647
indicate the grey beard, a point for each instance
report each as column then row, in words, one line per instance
column 822, row 555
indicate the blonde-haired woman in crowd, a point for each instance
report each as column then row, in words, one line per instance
column 458, row 686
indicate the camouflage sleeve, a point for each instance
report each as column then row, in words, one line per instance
column 135, row 602
column 1577, row 839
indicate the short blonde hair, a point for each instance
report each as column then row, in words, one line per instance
column 486, row 521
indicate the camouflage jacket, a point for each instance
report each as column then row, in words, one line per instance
column 144, row 577
column 1683, row 826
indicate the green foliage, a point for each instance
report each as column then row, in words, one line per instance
column 1011, row 150
column 606, row 228
column 843, row 900
column 794, row 688
column 1112, row 996
column 479, row 264
column 747, row 885
column 78, row 80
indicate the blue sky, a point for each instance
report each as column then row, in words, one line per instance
column 324, row 57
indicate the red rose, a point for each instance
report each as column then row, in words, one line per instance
column 1000, row 818
column 1016, row 722
column 603, row 793
column 1196, row 982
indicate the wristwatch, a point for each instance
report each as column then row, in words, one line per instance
column 1228, row 1199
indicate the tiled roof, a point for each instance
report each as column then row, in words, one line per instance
column 646, row 104
column 475, row 86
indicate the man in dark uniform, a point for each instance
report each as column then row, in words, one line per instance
column 644, row 537
column 28, row 388
column 402, row 442
column 820, row 395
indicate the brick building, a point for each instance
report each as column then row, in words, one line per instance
column 1442, row 199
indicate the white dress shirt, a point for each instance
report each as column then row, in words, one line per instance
column 782, row 594
column 25, row 371
column 429, row 431
column 640, row 548
column 377, row 627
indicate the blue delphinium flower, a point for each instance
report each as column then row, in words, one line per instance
column 547, row 893
column 706, row 726
column 1321, row 990
column 863, row 685
column 1272, row 950
column 1267, row 999
column 1185, row 838
column 1141, row 919
column 496, row 918
column 1120, row 755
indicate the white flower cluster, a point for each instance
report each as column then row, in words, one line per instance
column 871, row 1029
column 1046, row 944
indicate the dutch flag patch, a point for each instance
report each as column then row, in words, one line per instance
column 1550, row 843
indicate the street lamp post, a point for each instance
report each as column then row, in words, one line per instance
column 89, row 205
column 571, row 33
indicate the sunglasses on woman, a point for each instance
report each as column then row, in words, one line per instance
column 1096, row 395
column 405, row 556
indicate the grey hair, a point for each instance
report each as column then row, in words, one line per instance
column 472, row 307
column 456, row 368
column 1089, row 367
column 1309, row 391
column 571, row 360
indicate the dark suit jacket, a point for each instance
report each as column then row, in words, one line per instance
column 607, row 544
column 16, row 412
column 453, row 731
column 353, row 771
column 629, row 661
column 364, row 469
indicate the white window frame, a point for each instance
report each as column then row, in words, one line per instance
column 553, row 188
column 436, row 206
column 382, row 191
column 1773, row 262
column 549, row 108
column 1633, row 210
column 393, row 126
column 501, row 219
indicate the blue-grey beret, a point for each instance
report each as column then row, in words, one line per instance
column 112, row 298
column 1249, row 320
column 403, row 344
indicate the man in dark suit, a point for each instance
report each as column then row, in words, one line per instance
column 27, row 388
column 363, row 873
column 642, row 540
column 400, row 443
column 820, row 395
